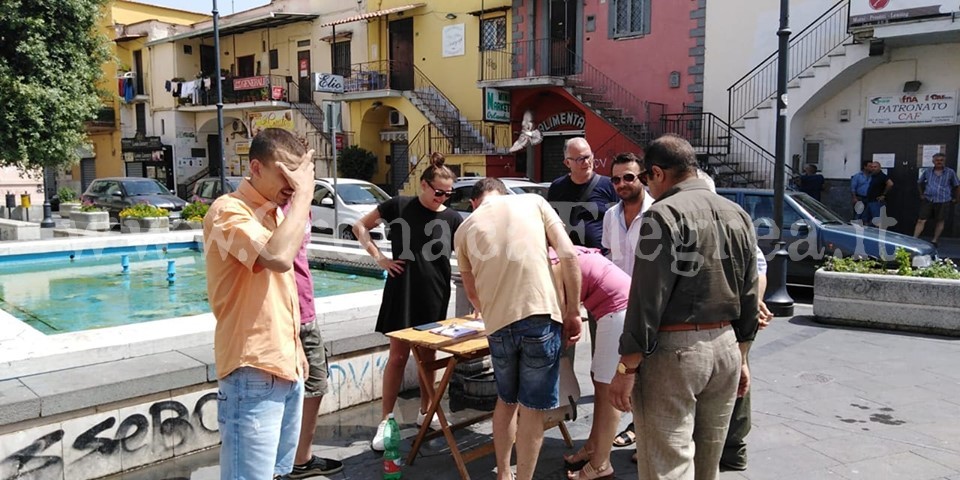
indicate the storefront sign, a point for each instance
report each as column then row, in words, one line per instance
column 242, row 148
column 327, row 83
column 872, row 12
column 496, row 105
column 249, row 83
column 276, row 119
column 573, row 119
column 912, row 109
column 452, row 41
column 141, row 143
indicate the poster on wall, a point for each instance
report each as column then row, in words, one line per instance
column 912, row 109
column 886, row 160
column 928, row 151
column 873, row 12
column 453, row 40
column 276, row 119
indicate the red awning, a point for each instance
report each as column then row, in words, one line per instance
column 378, row 13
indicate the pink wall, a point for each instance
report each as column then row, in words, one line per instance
column 643, row 64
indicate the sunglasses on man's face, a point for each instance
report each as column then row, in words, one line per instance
column 630, row 178
column 440, row 193
column 581, row 158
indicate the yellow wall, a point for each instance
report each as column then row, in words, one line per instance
column 455, row 76
column 126, row 12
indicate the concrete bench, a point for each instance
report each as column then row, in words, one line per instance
column 18, row 230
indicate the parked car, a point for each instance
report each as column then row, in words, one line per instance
column 114, row 194
column 813, row 232
column 355, row 199
column 206, row 190
column 460, row 200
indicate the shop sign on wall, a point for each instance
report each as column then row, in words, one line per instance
column 573, row 119
column 275, row 119
column 912, row 109
column 872, row 12
column 496, row 105
column 453, row 40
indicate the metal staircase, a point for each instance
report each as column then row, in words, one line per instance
column 730, row 157
column 440, row 111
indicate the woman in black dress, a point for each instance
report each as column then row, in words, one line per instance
column 418, row 286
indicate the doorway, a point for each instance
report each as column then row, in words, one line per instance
column 551, row 157
column 401, row 54
column 213, row 155
column 399, row 165
column 563, row 37
column 303, row 84
column 907, row 147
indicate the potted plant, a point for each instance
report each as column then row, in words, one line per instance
column 90, row 217
column 193, row 215
column 68, row 201
column 144, row 218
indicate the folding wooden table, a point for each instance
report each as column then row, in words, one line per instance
column 460, row 349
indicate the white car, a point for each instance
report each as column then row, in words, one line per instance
column 460, row 200
column 355, row 199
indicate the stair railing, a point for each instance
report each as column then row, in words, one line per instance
column 829, row 31
column 740, row 160
column 428, row 140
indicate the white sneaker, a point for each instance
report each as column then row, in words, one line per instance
column 434, row 422
column 377, row 444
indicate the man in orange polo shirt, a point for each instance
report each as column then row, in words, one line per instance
column 250, row 250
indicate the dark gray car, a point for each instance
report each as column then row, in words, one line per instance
column 813, row 232
column 117, row 193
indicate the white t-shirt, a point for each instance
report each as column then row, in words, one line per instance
column 620, row 241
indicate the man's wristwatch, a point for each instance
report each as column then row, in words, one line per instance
column 625, row 370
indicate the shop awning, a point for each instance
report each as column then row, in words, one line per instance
column 270, row 20
column 378, row 13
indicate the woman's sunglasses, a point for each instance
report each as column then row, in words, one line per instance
column 630, row 178
column 440, row 193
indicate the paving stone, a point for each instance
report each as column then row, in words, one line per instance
column 854, row 448
column 903, row 466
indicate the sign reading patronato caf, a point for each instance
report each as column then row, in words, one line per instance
column 912, row 109
column 496, row 105
column 872, row 12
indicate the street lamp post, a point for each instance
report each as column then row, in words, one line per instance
column 47, row 221
column 779, row 301
column 219, row 84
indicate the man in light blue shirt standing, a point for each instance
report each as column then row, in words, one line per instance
column 939, row 187
column 859, row 187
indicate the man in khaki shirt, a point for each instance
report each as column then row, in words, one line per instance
column 250, row 249
column 693, row 300
column 502, row 255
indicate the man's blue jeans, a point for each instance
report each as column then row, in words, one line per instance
column 259, row 416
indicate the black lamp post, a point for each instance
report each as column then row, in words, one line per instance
column 47, row 221
column 778, row 300
column 219, row 86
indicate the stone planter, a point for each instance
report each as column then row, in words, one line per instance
column 99, row 221
column 145, row 225
column 925, row 305
column 189, row 225
column 67, row 208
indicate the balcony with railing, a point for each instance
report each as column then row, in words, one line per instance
column 261, row 91
column 105, row 121
column 527, row 63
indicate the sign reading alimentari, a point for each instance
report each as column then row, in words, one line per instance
column 912, row 109
column 872, row 12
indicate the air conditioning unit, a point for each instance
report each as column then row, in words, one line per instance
column 397, row 119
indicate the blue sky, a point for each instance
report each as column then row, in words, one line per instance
column 226, row 7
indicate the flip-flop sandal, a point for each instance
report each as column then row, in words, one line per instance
column 624, row 439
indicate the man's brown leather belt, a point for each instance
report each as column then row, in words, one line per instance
column 686, row 327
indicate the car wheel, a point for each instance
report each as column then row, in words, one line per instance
column 347, row 234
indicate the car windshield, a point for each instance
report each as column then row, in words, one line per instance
column 148, row 187
column 817, row 210
column 537, row 189
column 361, row 194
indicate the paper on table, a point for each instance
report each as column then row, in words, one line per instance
column 474, row 324
column 454, row 331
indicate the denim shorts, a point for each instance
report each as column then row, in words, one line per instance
column 526, row 362
column 316, row 384
column 259, row 417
